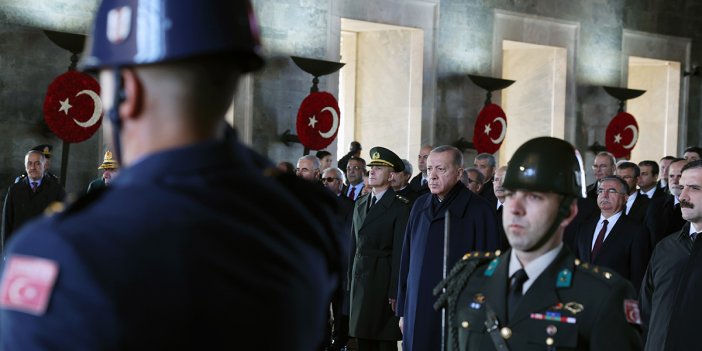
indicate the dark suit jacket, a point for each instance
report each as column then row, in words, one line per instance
column 626, row 249
column 22, row 204
column 488, row 191
column 663, row 217
column 416, row 184
column 409, row 194
column 638, row 208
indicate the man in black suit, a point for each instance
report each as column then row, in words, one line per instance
column 636, row 204
column 500, row 195
column 473, row 179
column 648, row 180
column 338, row 336
column 486, row 164
column 613, row 240
column 355, row 169
column 664, row 215
column 685, row 318
column 28, row 198
column 420, row 182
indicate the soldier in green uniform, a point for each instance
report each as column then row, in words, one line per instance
column 377, row 231
column 110, row 168
column 537, row 296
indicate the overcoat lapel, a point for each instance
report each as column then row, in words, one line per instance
column 380, row 207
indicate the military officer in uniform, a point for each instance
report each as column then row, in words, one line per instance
column 537, row 296
column 109, row 168
column 377, row 231
column 194, row 246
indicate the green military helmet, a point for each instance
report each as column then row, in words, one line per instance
column 546, row 164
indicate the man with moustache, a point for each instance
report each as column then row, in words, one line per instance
column 667, row 264
column 692, row 153
column 28, row 198
column 664, row 215
column 614, row 240
column 486, row 164
column 420, row 182
column 472, row 227
column 378, row 225
column 685, row 285
column 538, row 296
column 308, row 168
column 355, row 169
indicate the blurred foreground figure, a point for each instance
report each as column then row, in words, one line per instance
column 193, row 246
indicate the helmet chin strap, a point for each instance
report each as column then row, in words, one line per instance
column 563, row 212
column 113, row 113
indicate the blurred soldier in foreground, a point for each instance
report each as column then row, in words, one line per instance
column 109, row 168
column 537, row 296
column 186, row 249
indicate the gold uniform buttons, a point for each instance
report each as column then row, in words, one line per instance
column 608, row 275
column 577, row 262
column 506, row 333
column 465, row 324
column 549, row 341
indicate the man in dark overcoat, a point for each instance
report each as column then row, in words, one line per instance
column 473, row 226
column 378, row 226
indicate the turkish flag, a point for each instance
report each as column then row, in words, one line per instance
column 72, row 107
column 318, row 120
column 490, row 129
column 621, row 135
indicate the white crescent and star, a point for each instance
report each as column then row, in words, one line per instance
column 634, row 138
column 97, row 108
column 335, row 122
column 503, row 131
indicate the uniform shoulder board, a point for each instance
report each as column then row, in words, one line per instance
column 20, row 178
column 402, row 198
column 601, row 273
column 482, row 255
column 54, row 208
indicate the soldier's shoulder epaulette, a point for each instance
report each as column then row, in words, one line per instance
column 463, row 270
column 402, row 198
column 600, row 273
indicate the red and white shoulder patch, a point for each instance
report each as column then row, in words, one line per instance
column 631, row 310
column 27, row 284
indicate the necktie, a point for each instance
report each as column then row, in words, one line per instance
column 516, row 283
column 424, row 182
column 34, row 187
column 598, row 241
column 352, row 193
column 372, row 202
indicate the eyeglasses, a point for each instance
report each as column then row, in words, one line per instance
column 610, row 191
column 601, row 166
column 329, row 179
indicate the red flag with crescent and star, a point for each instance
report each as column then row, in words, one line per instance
column 318, row 120
column 621, row 135
column 490, row 129
column 72, row 107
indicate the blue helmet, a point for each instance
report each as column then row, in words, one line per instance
column 141, row 32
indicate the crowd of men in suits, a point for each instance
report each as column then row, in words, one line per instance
column 396, row 248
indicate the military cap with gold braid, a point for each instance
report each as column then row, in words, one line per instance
column 381, row 156
column 45, row 149
column 108, row 162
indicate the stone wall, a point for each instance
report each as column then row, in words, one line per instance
column 29, row 61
